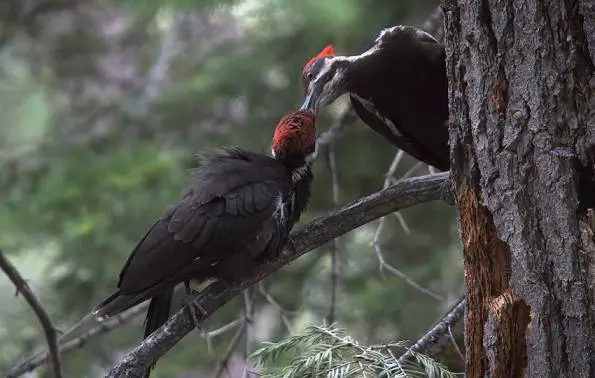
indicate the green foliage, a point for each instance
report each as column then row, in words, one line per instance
column 24, row 110
column 330, row 352
column 152, row 7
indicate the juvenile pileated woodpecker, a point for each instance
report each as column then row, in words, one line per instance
column 239, row 209
column 398, row 87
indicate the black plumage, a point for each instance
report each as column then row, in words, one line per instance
column 398, row 87
column 238, row 210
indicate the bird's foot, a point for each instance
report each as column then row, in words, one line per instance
column 290, row 247
column 197, row 312
column 188, row 288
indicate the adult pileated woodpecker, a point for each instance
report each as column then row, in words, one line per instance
column 398, row 87
column 239, row 209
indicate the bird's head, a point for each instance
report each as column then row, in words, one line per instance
column 323, row 79
column 294, row 141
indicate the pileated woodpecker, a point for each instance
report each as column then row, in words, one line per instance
column 239, row 209
column 398, row 87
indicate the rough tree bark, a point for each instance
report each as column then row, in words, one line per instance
column 521, row 83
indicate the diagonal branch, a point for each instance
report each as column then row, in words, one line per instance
column 46, row 323
column 320, row 231
column 383, row 264
column 433, row 342
column 282, row 310
column 223, row 365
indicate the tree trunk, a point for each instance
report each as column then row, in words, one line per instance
column 520, row 79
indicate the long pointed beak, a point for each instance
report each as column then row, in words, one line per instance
column 312, row 98
column 309, row 103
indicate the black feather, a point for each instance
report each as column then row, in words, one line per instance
column 405, row 79
column 224, row 225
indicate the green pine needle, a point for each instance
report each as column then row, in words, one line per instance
column 330, row 352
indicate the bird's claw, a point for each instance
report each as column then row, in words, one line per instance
column 194, row 308
column 290, row 248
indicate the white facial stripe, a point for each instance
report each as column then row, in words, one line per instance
column 328, row 63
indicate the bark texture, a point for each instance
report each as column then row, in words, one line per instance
column 521, row 83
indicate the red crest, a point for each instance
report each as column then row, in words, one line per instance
column 327, row 51
column 295, row 131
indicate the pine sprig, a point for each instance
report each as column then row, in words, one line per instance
column 330, row 352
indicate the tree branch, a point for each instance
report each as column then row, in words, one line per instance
column 282, row 310
column 382, row 264
column 46, row 323
column 322, row 230
column 432, row 343
column 223, row 365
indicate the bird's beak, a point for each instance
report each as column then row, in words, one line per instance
column 309, row 104
column 312, row 97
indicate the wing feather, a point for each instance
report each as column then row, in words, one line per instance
column 225, row 209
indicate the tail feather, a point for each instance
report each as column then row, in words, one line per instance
column 117, row 303
column 157, row 315
column 158, row 312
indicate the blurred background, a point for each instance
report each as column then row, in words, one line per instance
column 104, row 105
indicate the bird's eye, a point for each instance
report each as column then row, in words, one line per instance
column 309, row 75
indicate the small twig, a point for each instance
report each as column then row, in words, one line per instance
column 383, row 265
column 388, row 180
column 403, row 223
column 170, row 47
column 282, row 310
column 223, row 329
column 334, row 248
column 46, row 323
column 223, row 365
column 248, row 314
column 407, row 174
column 208, row 335
column 431, row 343
column 454, row 343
